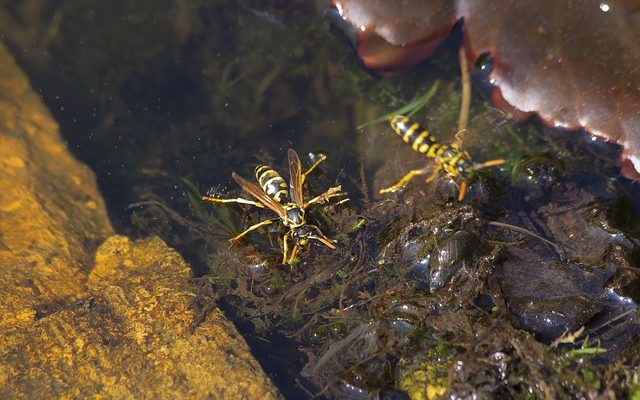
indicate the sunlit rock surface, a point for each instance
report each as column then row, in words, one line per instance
column 132, row 336
column 77, row 322
column 52, row 217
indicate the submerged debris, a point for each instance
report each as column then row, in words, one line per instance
column 432, row 298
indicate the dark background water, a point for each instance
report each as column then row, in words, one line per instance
column 161, row 97
column 149, row 93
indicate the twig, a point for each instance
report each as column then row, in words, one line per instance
column 528, row 232
column 363, row 183
column 466, row 91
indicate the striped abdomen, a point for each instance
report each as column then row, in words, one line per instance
column 272, row 184
column 415, row 135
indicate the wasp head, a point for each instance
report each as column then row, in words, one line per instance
column 302, row 235
column 465, row 169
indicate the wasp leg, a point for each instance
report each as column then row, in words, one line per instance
column 238, row 200
column 296, row 247
column 311, row 168
column 457, row 139
column 253, row 228
column 405, row 179
column 434, row 174
column 463, row 190
column 285, row 249
column 335, row 191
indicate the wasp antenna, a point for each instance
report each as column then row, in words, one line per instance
column 491, row 163
column 326, row 241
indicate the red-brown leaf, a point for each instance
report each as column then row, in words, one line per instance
column 574, row 63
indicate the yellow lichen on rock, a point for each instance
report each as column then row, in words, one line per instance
column 81, row 319
column 132, row 337
column 425, row 377
column 46, row 239
column 14, row 162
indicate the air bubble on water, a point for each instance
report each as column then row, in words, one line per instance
column 217, row 191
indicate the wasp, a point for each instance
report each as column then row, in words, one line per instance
column 450, row 158
column 289, row 205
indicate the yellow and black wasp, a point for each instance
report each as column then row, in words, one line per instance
column 449, row 158
column 289, row 204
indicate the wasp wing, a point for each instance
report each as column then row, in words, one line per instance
column 260, row 195
column 295, row 184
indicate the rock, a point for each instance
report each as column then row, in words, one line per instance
column 132, row 337
column 80, row 319
column 549, row 297
column 52, row 217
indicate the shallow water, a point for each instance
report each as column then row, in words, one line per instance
column 164, row 101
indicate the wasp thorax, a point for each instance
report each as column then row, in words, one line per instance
column 455, row 162
column 295, row 216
